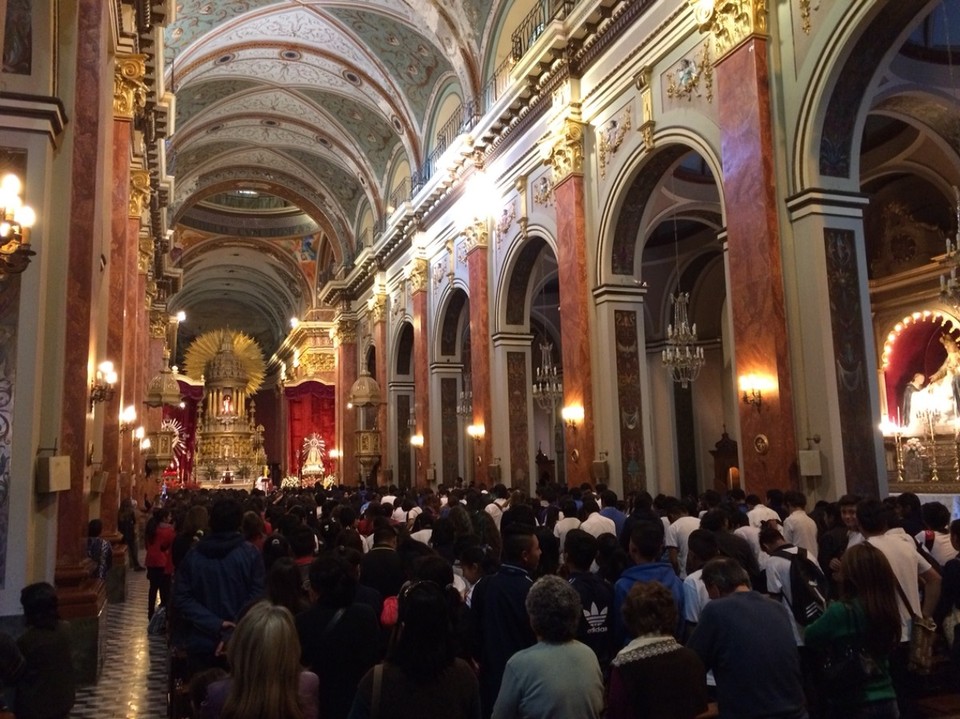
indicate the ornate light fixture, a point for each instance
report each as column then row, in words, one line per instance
column 15, row 252
column 949, row 284
column 682, row 355
column 548, row 387
column 103, row 387
column 163, row 389
column 465, row 399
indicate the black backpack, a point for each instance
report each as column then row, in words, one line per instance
column 808, row 586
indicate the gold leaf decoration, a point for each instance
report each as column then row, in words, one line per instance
column 205, row 347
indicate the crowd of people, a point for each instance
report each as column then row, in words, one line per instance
column 574, row 603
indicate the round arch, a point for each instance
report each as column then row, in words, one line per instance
column 453, row 313
column 514, row 288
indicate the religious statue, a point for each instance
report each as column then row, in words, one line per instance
column 914, row 385
column 950, row 370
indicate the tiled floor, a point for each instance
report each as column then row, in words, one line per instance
column 133, row 684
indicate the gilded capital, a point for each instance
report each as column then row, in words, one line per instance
column 347, row 330
column 566, row 151
column 418, row 275
column 158, row 324
column 139, row 192
column 129, row 89
column 730, row 22
column 477, row 235
column 145, row 255
column 378, row 308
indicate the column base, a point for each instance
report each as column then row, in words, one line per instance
column 82, row 599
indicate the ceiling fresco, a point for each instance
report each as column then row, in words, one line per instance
column 304, row 106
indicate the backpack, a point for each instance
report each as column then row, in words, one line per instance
column 808, row 586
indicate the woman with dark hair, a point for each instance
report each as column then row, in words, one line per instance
column 935, row 537
column 653, row 676
column 285, row 586
column 865, row 626
column 266, row 680
column 558, row 676
column 46, row 683
column 274, row 547
column 159, row 535
column 189, row 532
column 422, row 676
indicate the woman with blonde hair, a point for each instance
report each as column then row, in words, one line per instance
column 266, row 680
column 857, row 635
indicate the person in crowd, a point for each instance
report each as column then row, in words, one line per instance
column 677, row 534
column 265, row 680
column 935, row 537
column 909, row 569
column 831, row 543
column 950, row 592
column 498, row 504
column 612, row 559
column 798, row 528
column 303, row 546
column 275, row 547
column 775, row 502
column 127, row 526
column 594, row 522
column 382, row 568
column 339, row 637
column 498, row 622
column 867, row 619
column 646, row 548
column 558, row 677
column 475, row 564
column 702, row 548
column 570, row 520
column 159, row 535
column 596, row 595
column 215, row 581
column 778, row 565
column 253, row 529
column 641, row 511
column 653, row 677
column 611, row 509
column 909, row 513
column 98, row 550
column 46, row 684
column 718, row 521
column 189, row 532
column 285, row 587
column 738, row 623
column 422, row 676
column 758, row 512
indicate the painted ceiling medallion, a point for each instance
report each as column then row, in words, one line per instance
column 291, row 55
column 224, row 59
column 352, row 78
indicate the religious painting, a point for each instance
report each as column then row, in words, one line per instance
column 18, row 38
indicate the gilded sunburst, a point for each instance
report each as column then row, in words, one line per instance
column 205, row 347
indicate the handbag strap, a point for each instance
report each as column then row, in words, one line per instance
column 377, row 689
column 334, row 620
column 903, row 598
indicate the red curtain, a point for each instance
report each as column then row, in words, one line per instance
column 312, row 408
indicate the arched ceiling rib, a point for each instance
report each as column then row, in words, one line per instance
column 301, row 107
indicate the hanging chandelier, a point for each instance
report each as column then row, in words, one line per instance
column 548, row 387
column 949, row 284
column 682, row 355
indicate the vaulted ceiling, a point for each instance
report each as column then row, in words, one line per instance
column 292, row 117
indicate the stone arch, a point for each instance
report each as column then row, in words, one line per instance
column 514, row 285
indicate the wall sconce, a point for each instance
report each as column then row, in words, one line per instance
column 102, row 389
column 139, row 435
column 753, row 386
column 15, row 224
column 334, row 454
column 572, row 415
column 127, row 417
column 477, row 431
column 416, row 441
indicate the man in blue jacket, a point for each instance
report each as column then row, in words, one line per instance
column 217, row 579
column 646, row 548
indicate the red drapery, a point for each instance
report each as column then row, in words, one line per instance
column 312, row 408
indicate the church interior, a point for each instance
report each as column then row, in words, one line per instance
column 663, row 245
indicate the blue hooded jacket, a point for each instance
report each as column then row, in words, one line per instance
column 652, row 572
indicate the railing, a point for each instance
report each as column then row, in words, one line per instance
column 400, row 195
column 363, row 241
column 533, row 25
column 496, row 86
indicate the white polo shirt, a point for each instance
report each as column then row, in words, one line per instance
column 907, row 564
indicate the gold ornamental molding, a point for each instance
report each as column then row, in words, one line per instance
column 566, row 150
column 317, row 363
column 347, row 330
column 129, row 89
column 145, row 254
column 377, row 308
column 158, row 324
column 139, row 192
column 418, row 275
column 477, row 235
column 611, row 137
column 730, row 22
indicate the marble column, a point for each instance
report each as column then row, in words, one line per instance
column 80, row 596
column 378, row 315
column 510, row 369
column 755, row 288
column 346, row 376
column 575, row 302
column 141, row 374
column 478, row 272
column 421, row 365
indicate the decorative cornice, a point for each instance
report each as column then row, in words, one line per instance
column 566, row 150
column 418, row 275
column 139, row 192
column 730, row 22
column 129, row 89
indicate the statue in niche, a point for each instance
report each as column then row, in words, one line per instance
column 940, row 399
column 913, row 386
column 950, row 370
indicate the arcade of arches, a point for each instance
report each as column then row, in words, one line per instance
column 455, row 198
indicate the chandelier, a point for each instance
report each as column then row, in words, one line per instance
column 949, row 284
column 682, row 356
column 15, row 252
column 548, row 387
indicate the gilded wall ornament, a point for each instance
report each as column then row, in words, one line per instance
column 611, row 137
column 439, row 273
column 505, row 222
column 647, row 123
column 158, row 324
column 399, row 302
column 730, row 21
column 477, row 235
column 543, row 191
column 144, row 255
column 462, row 253
column 418, row 275
column 806, row 7
column 129, row 89
column 566, row 151
column 139, row 192
column 317, row 363
column 346, row 330
column 685, row 80
column 378, row 308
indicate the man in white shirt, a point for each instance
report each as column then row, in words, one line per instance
column 798, row 529
column 778, row 572
column 681, row 526
column 594, row 522
column 758, row 512
column 568, row 520
column 496, row 507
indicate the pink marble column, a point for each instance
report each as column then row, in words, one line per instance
column 128, row 376
column 387, row 438
column 141, row 377
column 346, row 376
column 109, row 499
column 421, row 380
column 575, row 302
column 477, row 269
column 77, row 596
column 756, row 276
